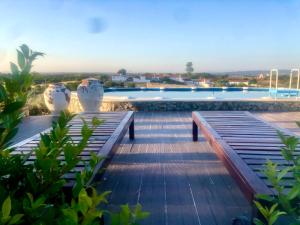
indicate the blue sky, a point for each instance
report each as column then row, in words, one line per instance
column 153, row 35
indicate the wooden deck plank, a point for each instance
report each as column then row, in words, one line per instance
column 218, row 188
column 153, row 183
column 171, row 176
column 285, row 120
column 181, row 201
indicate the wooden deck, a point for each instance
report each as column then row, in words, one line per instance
column 178, row 181
column 286, row 120
column 244, row 142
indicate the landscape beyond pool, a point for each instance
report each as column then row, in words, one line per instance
column 198, row 93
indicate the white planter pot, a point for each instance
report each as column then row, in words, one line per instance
column 90, row 94
column 57, row 98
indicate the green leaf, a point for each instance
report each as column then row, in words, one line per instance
column 273, row 208
column 125, row 214
column 71, row 214
column 258, row 222
column 95, row 159
column 3, row 94
column 25, row 50
column 10, row 134
column 14, row 69
column 264, row 197
column 70, row 154
column 294, row 192
column 6, row 207
column 21, row 59
column 15, row 219
column 274, row 217
column 29, row 195
column 39, row 202
column 139, row 214
column 102, row 198
column 34, row 55
column 96, row 122
column 84, row 201
column 57, row 186
column 283, row 172
column 86, row 132
column 13, row 107
column 115, row 219
column 26, row 69
column 261, row 209
column 78, row 185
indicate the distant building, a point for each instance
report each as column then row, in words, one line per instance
column 140, row 79
column 261, row 76
column 119, row 78
column 177, row 78
column 205, row 83
column 155, row 79
column 238, row 82
column 189, row 82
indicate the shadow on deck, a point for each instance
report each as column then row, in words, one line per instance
column 178, row 181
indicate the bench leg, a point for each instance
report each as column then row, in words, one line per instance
column 195, row 131
column 131, row 130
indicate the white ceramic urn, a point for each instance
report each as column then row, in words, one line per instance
column 57, row 98
column 90, row 94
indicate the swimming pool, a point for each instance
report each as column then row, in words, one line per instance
column 197, row 93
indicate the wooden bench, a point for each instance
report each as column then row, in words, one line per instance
column 244, row 143
column 104, row 141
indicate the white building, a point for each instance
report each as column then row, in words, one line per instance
column 205, row 83
column 261, row 76
column 178, row 79
column 238, row 82
column 119, row 78
column 140, row 79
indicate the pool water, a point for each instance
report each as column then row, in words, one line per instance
column 196, row 94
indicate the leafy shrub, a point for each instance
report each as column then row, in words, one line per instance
column 110, row 83
column 36, row 105
column 32, row 192
column 72, row 86
column 284, row 208
column 131, row 85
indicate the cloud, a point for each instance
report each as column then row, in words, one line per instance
column 96, row 25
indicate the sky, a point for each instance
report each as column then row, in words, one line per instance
column 152, row 35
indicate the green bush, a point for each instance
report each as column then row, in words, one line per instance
column 72, row 86
column 32, row 192
column 36, row 105
column 109, row 84
column 283, row 208
column 131, row 85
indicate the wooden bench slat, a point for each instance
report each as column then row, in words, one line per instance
column 105, row 139
column 244, row 143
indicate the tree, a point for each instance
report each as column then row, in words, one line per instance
column 221, row 83
column 189, row 67
column 122, row 72
column 252, row 82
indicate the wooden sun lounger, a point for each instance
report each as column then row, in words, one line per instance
column 244, row 143
column 104, row 141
